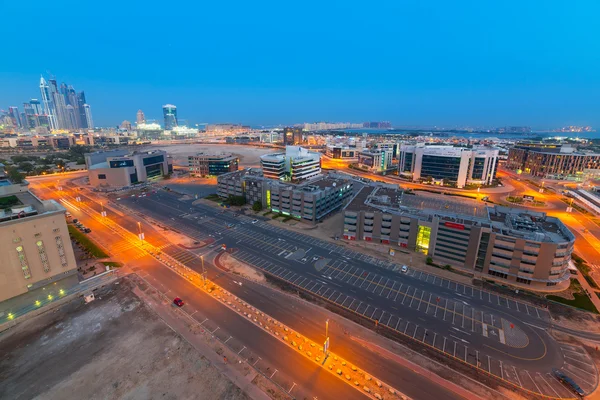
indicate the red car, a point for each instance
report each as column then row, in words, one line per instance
column 178, row 302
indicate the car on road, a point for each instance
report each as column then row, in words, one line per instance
column 118, row 198
column 254, row 221
column 75, row 221
column 178, row 302
column 87, row 230
column 404, row 269
column 568, row 382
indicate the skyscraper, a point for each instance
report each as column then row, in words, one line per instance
column 48, row 102
column 37, row 106
column 88, row 116
column 72, row 117
column 170, row 116
column 73, row 101
column 59, row 105
column 141, row 118
column 30, row 120
column 81, row 109
column 13, row 113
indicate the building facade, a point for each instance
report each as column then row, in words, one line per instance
column 38, row 259
column 117, row 169
column 341, row 152
column 295, row 165
column 292, row 136
column 203, row 164
column 309, row 201
column 553, row 161
column 457, row 166
column 170, row 116
column 375, row 160
column 506, row 244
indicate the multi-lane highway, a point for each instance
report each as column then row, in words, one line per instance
column 494, row 334
column 293, row 370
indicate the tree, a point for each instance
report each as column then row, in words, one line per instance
column 257, row 206
column 14, row 175
column 237, row 200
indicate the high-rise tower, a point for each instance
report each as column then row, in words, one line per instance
column 170, row 116
column 81, row 109
column 140, row 118
column 88, row 116
column 59, row 105
column 48, row 102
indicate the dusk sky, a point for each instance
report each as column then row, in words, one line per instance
column 419, row 62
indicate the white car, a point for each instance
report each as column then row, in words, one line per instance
column 254, row 221
column 404, row 269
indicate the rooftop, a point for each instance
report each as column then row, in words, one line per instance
column 19, row 205
column 508, row 221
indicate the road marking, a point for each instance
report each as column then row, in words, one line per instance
column 256, row 361
column 519, row 379
column 535, row 326
column 243, row 348
column 273, row 374
column 542, row 376
column 204, row 321
column 228, row 339
column 292, row 387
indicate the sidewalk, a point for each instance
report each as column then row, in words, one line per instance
column 589, row 290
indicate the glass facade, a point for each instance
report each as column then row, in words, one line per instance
column 478, row 166
column 154, row 160
column 154, row 170
column 408, row 159
column 121, row 163
column 439, row 167
column 423, row 238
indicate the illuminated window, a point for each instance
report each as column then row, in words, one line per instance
column 423, row 237
column 24, row 263
column 61, row 252
column 43, row 255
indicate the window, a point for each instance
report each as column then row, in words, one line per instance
column 423, row 237
column 525, row 281
column 43, row 255
column 24, row 263
column 61, row 251
column 551, row 283
column 101, row 176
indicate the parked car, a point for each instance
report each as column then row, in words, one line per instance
column 87, row 230
column 178, row 302
column 75, row 221
column 404, row 269
column 568, row 382
column 254, row 221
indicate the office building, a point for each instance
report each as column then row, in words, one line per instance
column 292, row 136
column 36, row 106
column 295, row 165
column 149, row 131
column 118, row 169
column 170, row 116
column 553, row 161
column 309, row 201
column 342, row 152
column 48, row 102
column 375, row 160
column 37, row 256
column 203, row 164
column 378, row 125
column 140, row 117
column 448, row 165
column 510, row 245
column 126, row 125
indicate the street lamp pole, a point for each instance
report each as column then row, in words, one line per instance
column 203, row 271
column 102, row 213
column 140, row 234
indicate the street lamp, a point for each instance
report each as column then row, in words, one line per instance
column 102, row 213
column 203, row 270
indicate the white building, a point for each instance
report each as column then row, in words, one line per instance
column 296, row 164
column 457, row 166
column 375, row 160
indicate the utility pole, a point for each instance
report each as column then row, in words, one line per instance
column 326, row 344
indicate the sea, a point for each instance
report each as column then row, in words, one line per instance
column 474, row 135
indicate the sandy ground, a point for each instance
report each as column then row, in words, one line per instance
column 249, row 155
column 112, row 348
column 241, row 269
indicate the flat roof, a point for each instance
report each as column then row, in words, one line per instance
column 520, row 223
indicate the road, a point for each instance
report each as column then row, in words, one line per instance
column 489, row 332
column 292, row 367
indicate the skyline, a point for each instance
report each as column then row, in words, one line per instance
column 413, row 64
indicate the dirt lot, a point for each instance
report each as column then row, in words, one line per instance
column 248, row 155
column 112, row 348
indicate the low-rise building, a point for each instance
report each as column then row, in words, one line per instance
column 118, row 168
column 341, row 152
column 310, row 201
column 448, row 165
column 554, row 161
column 37, row 257
column 295, row 165
column 375, row 160
column 204, row 164
column 507, row 244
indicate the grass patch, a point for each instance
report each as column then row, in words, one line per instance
column 212, row 197
column 277, row 216
column 112, row 264
column 581, row 300
column 514, row 199
column 85, row 241
column 267, row 213
column 585, row 270
column 9, row 201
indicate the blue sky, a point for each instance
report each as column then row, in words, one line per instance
column 276, row 62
